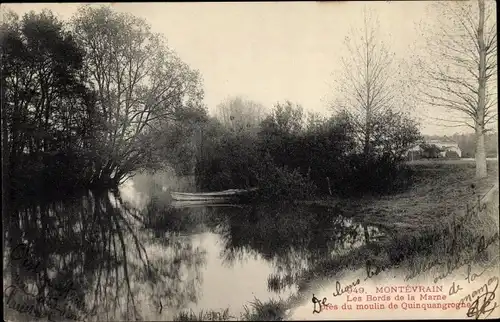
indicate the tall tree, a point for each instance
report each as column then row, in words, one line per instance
column 239, row 114
column 459, row 68
column 285, row 119
column 140, row 84
column 279, row 132
column 46, row 108
column 366, row 84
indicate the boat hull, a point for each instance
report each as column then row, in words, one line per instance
column 219, row 196
column 180, row 197
column 201, row 203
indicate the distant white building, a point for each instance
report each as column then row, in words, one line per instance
column 444, row 145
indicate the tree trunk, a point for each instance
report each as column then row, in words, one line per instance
column 5, row 160
column 480, row 155
column 366, row 146
column 367, row 235
column 479, row 124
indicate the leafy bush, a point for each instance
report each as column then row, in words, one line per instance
column 373, row 174
column 281, row 183
column 228, row 163
column 452, row 155
column 430, row 151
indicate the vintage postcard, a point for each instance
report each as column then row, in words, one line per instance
column 330, row 160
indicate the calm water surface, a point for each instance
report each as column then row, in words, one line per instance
column 134, row 254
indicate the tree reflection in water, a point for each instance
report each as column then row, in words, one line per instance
column 292, row 238
column 95, row 258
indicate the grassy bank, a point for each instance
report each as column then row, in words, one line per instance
column 433, row 197
column 421, row 224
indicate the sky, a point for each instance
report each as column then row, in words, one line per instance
column 269, row 51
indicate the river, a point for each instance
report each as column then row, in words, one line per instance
column 134, row 255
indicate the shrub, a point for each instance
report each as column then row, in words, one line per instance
column 452, row 155
column 373, row 174
column 228, row 163
column 281, row 183
column 430, row 151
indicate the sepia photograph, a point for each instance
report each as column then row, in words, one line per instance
column 250, row 161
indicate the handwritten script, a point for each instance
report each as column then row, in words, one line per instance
column 320, row 305
column 482, row 298
column 483, row 305
column 451, row 236
column 62, row 301
column 339, row 290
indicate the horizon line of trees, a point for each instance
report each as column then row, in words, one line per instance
column 93, row 100
column 90, row 101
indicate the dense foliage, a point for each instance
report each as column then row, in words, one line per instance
column 86, row 103
column 49, row 120
column 90, row 102
column 292, row 157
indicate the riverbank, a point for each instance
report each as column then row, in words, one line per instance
column 435, row 228
column 421, row 226
column 434, row 196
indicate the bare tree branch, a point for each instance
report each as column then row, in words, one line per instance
column 460, row 79
column 140, row 82
column 369, row 79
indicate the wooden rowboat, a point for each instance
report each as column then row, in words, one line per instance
column 219, row 196
column 202, row 203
